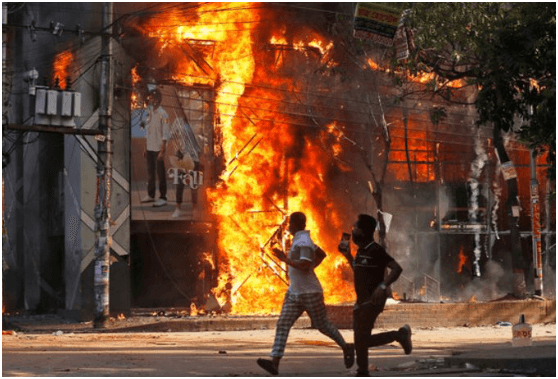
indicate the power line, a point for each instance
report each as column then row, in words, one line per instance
column 293, row 114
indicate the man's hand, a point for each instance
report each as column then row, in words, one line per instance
column 279, row 254
column 344, row 248
column 378, row 296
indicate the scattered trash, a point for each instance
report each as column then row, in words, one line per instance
column 8, row 332
column 406, row 364
column 471, row 366
column 58, row 333
column 503, row 323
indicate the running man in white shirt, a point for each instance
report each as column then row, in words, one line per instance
column 305, row 293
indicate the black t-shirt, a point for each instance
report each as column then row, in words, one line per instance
column 369, row 267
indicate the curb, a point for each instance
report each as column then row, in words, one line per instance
column 531, row 360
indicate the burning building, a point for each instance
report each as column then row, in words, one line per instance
column 280, row 109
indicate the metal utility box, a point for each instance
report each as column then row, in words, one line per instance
column 56, row 108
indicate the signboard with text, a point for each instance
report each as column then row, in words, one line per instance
column 376, row 22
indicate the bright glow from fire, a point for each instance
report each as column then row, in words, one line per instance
column 422, row 77
column 62, row 68
column 462, row 260
column 273, row 165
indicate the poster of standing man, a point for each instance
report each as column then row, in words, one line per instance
column 171, row 145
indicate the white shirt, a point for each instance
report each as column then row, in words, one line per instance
column 157, row 128
column 303, row 281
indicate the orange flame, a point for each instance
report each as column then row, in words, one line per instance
column 462, row 260
column 136, row 103
column 61, row 68
column 422, row 77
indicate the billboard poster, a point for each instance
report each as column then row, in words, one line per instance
column 171, row 153
column 377, row 22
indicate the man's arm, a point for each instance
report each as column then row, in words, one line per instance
column 394, row 271
column 380, row 293
column 301, row 264
column 162, row 151
column 345, row 249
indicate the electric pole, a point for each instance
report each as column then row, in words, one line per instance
column 536, row 227
column 5, row 95
column 104, row 171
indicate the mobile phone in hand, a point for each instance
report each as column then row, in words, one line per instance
column 345, row 240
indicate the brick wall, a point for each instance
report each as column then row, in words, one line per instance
column 451, row 314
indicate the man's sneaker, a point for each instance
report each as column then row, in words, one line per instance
column 349, row 355
column 147, row 199
column 268, row 366
column 160, row 202
column 405, row 339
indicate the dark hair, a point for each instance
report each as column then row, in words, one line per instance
column 367, row 223
column 299, row 219
column 156, row 94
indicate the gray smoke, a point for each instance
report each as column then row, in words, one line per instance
column 476, row 170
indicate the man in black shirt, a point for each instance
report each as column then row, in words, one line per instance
column 369, row 266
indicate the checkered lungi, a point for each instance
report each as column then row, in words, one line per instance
column 293, row 306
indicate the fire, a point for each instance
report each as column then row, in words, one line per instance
column 422, row 77
column 62, row 68
column 193, row 310
column 421, row 167
column 274, row 166
column 206, row 257
column 136, row 102
column 462, row 260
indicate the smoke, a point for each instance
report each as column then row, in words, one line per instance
column 497, row 191
column 492, row 285
column 476, row 170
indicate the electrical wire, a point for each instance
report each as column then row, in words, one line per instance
column 292, row 114
column 344, row 100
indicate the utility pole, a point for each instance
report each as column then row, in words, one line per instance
column 536, row 221
column 536, row 225
column 5, row 96
column 513, row 212
column 104, row 171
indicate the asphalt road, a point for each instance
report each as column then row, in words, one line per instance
column 463, row 351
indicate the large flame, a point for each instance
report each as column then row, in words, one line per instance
column 274, row 166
